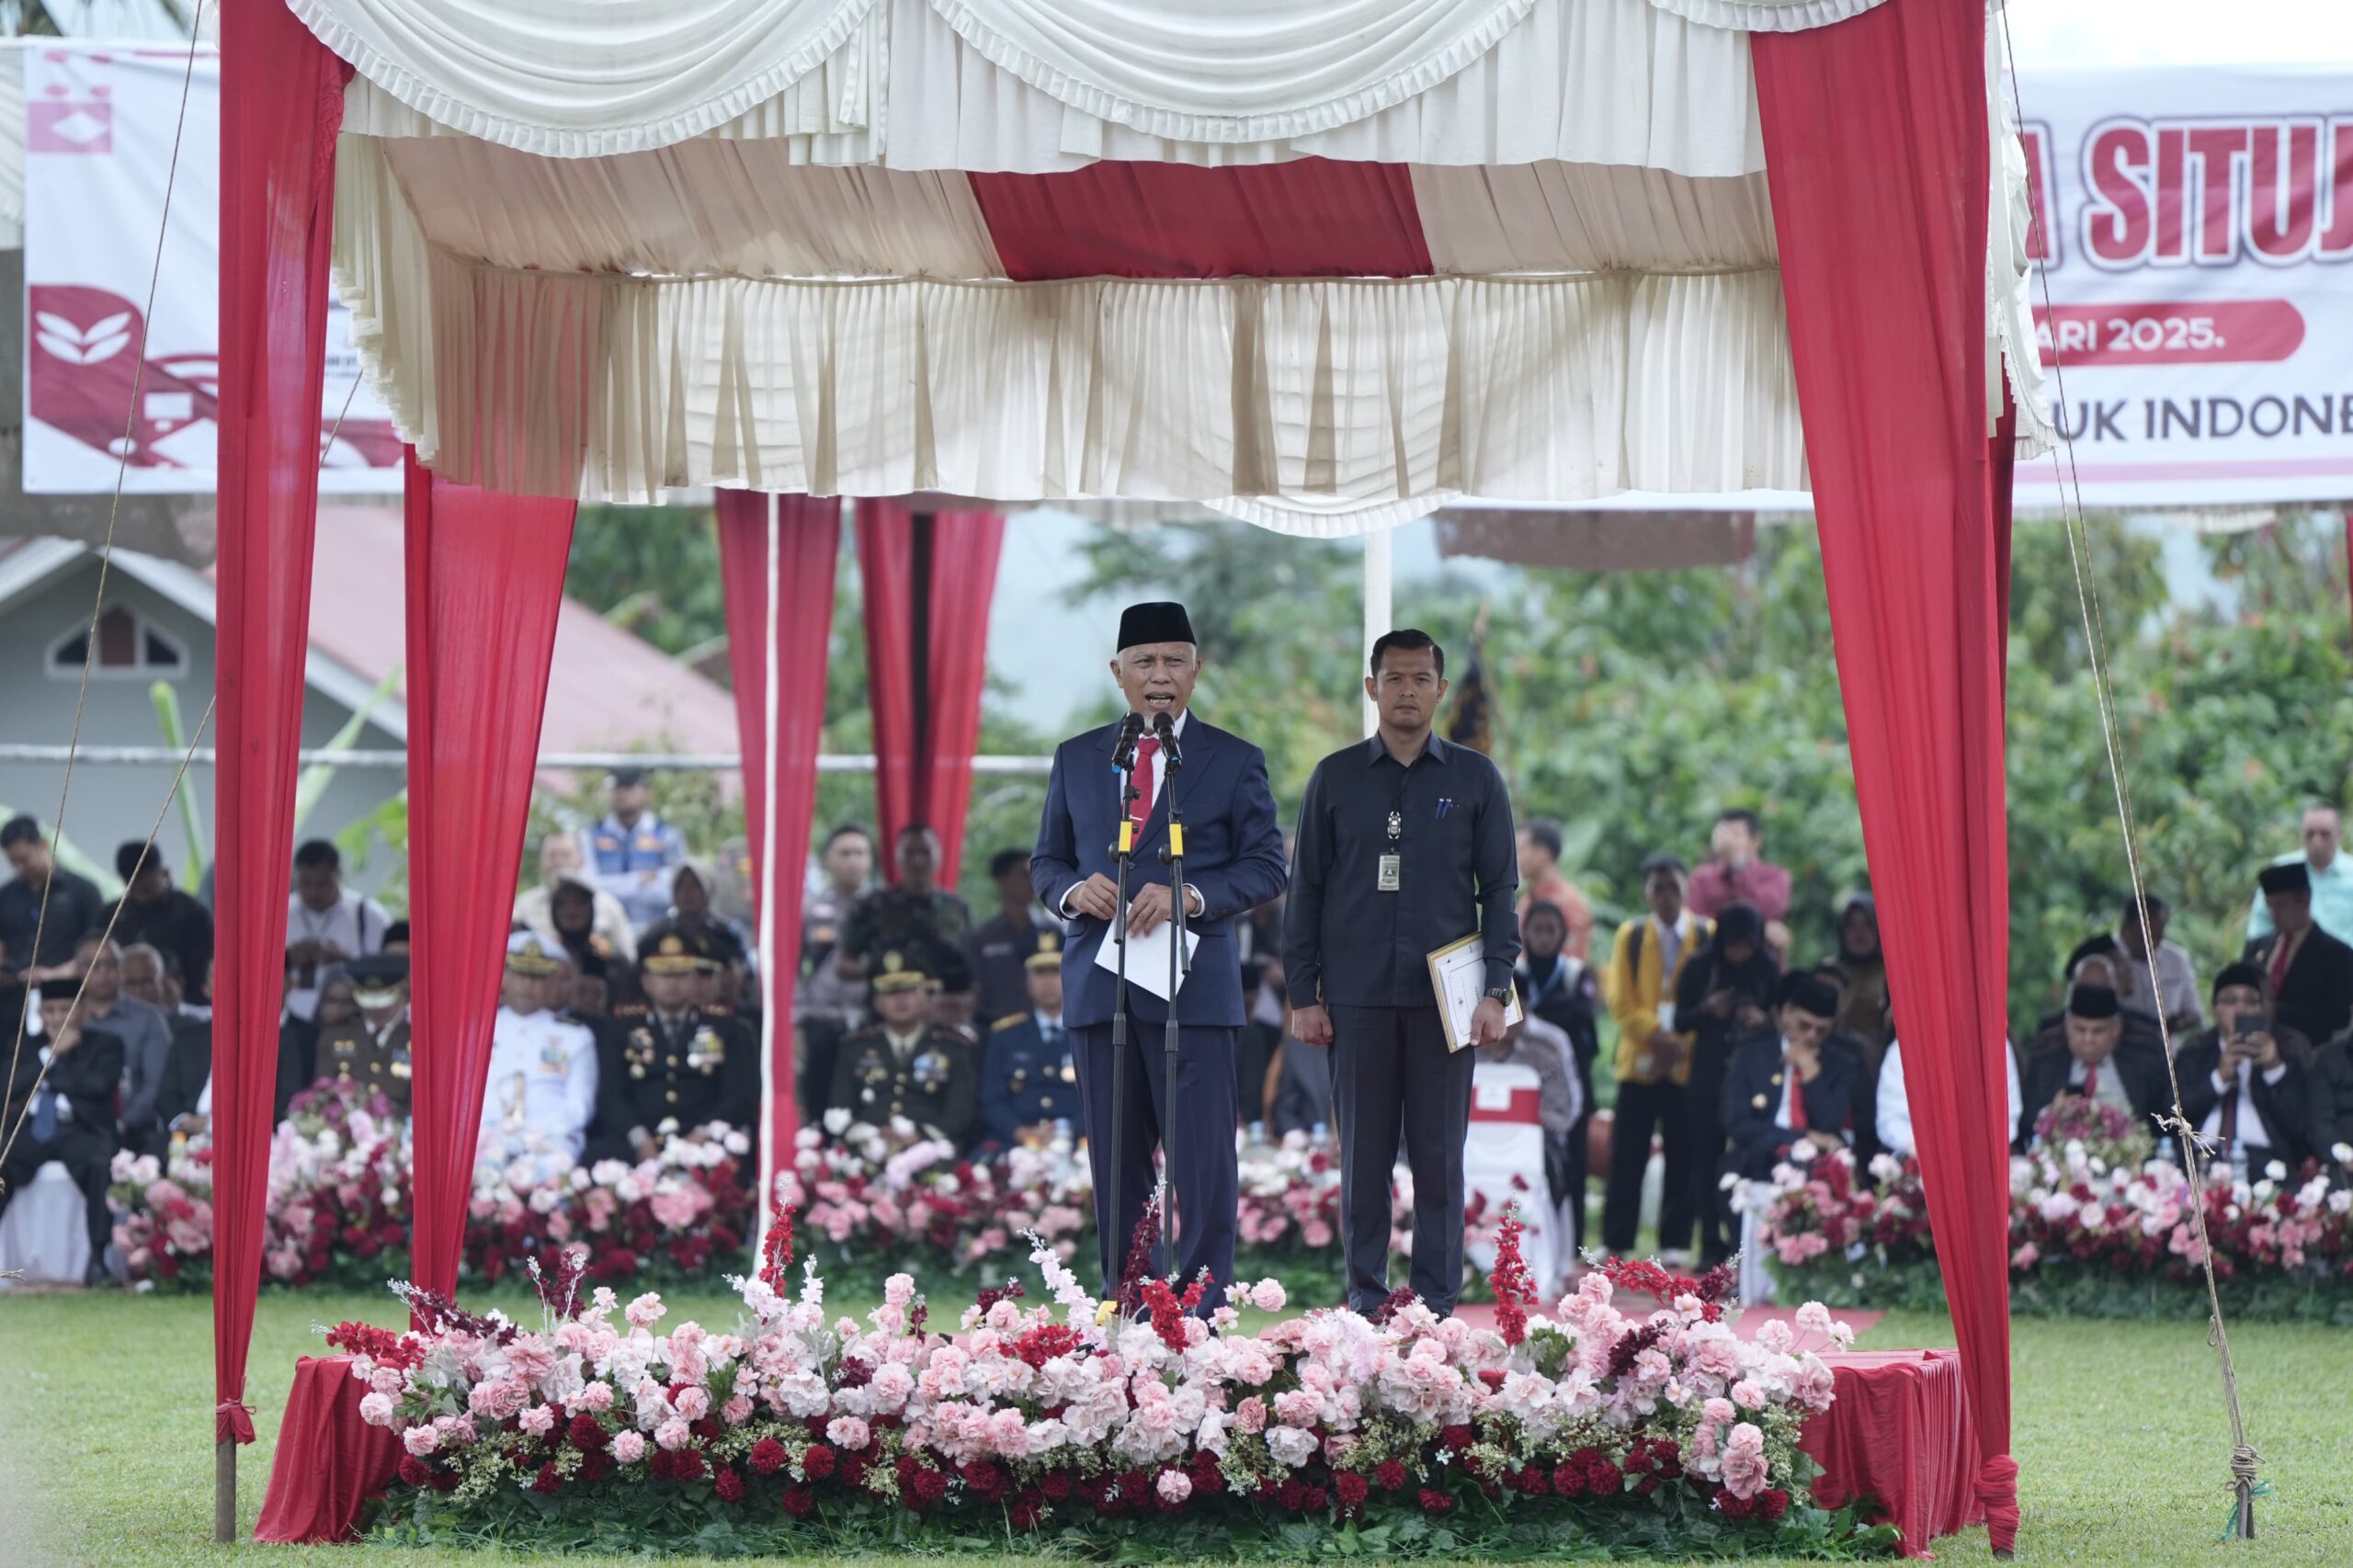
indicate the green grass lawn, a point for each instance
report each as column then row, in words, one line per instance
column 106, row 1450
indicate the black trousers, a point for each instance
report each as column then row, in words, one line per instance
column 89, row 1158
column 1644, row 1110
column 1703, row 1100
column 1390, row 1075
column 1197, row 1122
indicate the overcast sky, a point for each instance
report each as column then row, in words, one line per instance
column 2184, row 32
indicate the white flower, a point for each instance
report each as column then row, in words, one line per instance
column 837, row 1120
column 2276, row 1170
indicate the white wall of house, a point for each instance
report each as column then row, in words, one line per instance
column 112, row 803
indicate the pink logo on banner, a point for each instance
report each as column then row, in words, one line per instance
column 66, row 126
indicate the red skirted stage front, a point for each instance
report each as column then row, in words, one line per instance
column 1898, row 1431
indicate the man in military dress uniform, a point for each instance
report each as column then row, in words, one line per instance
column 542, row 1088
column 683, row 1063
column 924, row 923
column 373, row 1049
column 904, row 1066
column 1028, row 1081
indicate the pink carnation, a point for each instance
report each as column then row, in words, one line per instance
column 848, row 1432
column 629, row 1446
column 672, row 1434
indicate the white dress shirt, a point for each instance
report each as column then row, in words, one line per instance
column 355, row 924
column 1894, row 1110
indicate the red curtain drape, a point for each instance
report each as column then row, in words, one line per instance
column 785, row 547
column 927, row 579
column 1876, row 153
column 281, row 103
column 485, row 580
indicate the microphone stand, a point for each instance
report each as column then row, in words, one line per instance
column 1123, row 852
column 1180, row 965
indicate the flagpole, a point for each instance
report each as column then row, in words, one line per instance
column 1379, row 567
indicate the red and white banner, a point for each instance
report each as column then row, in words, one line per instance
column 2196, row 231
column 99, row 126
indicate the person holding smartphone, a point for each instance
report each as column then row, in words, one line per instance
column 2246, row 1083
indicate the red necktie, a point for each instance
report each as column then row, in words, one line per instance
column 1146, row 749
column 2279, row 955
column 1797, row 1101
column 2091, row 1081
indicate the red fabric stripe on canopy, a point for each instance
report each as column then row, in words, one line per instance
column 1876, row 146
column 1311, row 218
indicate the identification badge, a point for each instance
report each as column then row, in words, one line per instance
column 1392, row 871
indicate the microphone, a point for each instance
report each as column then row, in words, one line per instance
column 1123, row 752
column 1164, row 729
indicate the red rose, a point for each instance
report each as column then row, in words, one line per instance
column 767, row 1457
column 799, row 1501
column 1773, row 1502
column 547, row 1483
column 1436, row 1502
column 1391, row 1473
column 1736, row 1507
column 728, row 1484
column 687, row 1465
column 585, row 1433
column 414, row 1471
column 818, row 1462
column 1352, row 1489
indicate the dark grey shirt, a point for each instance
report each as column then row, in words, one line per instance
column 1345, row 943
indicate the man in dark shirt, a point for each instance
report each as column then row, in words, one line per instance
column 74, row 906
column 145, row 1033
column 1405, row 845
column 999, row 950
column 921, row 922
column 60, row 1105
column 152, row 911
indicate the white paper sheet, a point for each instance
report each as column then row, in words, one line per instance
column 1148, row 957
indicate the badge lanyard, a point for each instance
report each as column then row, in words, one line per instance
column 1392, row 863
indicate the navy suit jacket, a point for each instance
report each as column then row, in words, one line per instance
column 1233, row 856
column 1752, row 1102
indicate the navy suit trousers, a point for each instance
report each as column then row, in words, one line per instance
column 1197, row 1122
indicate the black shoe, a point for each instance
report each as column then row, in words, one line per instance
column 97, row 1277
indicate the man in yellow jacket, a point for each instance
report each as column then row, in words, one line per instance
column 1654, row 1062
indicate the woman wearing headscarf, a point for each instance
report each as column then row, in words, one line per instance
column 1723, row 995
column 1860, row 970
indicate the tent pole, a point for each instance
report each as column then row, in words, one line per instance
column 1378, row 569
column 224, row 1490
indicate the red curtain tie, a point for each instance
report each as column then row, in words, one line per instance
column 232, row 1421
column 1997, row 1494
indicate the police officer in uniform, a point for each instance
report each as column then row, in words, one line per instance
column 373, row 1049
column 1028, row 1081
column 904, row 1066
column 684, row 1063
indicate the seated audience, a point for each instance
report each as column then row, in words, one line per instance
column 2248, row 1084
column 1789, row 1085
column 370, row 1049
column 2307, row 973
column 2096, row 1062
column 905, row 1068
column 825, row 1004
column 60, row 1107
column 685, row 1060
column 1542, row 881
column 2095, row 962
column 146, row 1036
column 326, row 923
column 155, row 912
column 2332, row 1092
column 1027, row 1080
column 2147, row 964
column 1724, row 994
column 542, row 1088
column 1860, row 974
column 72, row 905
column 1893, row 1106
column 923, row 924
column 724, row 941
column 561, row 862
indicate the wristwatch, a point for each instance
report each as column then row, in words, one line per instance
column 1499, row 994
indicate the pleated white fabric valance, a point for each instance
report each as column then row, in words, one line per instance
column 575, row 78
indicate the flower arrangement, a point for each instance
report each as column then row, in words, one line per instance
column 1169, row 1434
column 2106, row 1132
column 2088, row 1237
column 338, row 1206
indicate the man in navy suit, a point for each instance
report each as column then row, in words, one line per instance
column 1233, row 862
